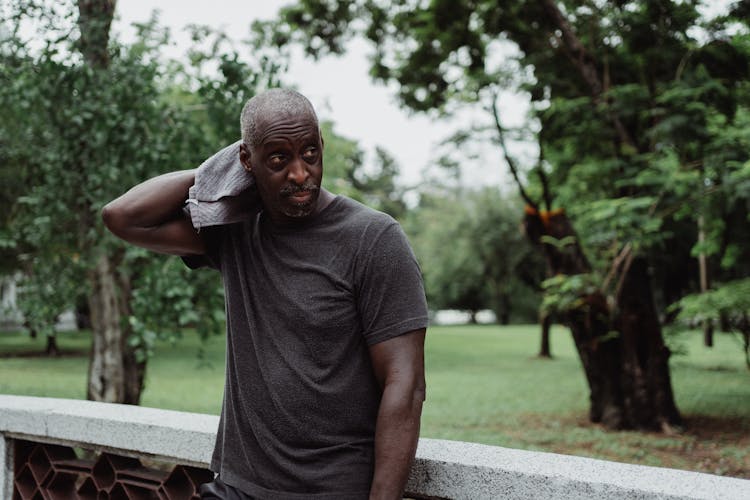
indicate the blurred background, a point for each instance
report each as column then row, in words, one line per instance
column 574, row 177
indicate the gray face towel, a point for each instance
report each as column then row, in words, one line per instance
column 224, row 192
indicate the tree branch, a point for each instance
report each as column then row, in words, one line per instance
column 543, row 176
column 624, row 254
column 94, row 20
column 508, row 158
column 586, row 66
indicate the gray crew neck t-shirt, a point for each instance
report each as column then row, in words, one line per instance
column 303, row 304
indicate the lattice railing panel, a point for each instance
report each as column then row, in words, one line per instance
column 53, row 472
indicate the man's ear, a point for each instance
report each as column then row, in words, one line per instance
column 245, row 157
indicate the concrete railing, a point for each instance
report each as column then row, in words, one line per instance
column 443, row 469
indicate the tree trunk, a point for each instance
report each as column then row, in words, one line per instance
column 545, row 320
column 504, row 317
column 625, row 361
column 647, row 388
column 115, row 375
column 94, row 21
column 52, row 349
column 83, row 318
column 32, row 331
column 708, row 326
column 744, row 328
column 500, row 300
column 708, row 333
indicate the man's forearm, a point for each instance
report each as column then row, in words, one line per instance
column 150, row 215
column 396, row 437
column 154, row 201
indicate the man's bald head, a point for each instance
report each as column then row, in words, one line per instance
column 271, row 105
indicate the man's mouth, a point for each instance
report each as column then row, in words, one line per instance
column 299, row 194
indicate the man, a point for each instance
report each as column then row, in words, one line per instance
column 326, row 319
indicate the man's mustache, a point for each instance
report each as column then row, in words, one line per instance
column 294, row 189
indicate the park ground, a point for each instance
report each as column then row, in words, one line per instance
column 485, row 385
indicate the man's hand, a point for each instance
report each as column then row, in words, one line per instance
column 399, row 367
column 150, row 215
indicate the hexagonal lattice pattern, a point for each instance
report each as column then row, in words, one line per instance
column 184, row 481
column 52, row 472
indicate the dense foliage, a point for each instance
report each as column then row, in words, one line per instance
column 639, row 112
column 664, row 143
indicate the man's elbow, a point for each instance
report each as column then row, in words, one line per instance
column 410, row 390
column 114, row 218
column 420, row 392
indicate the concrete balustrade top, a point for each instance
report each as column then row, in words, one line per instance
column 443, row 469
column 161, row 434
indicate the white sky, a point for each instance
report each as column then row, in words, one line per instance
column 339, row 88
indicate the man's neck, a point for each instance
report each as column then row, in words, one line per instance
column 324, row 199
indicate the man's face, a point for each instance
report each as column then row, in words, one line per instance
column 288, row 167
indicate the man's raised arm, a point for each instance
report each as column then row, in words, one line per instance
column 150, row 215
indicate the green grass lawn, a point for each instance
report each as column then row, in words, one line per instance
column 484, row 385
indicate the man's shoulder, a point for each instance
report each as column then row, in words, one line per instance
column 359, row 215
column 369, row 229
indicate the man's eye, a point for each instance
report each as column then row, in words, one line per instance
column 276, row 160
column 310, row 154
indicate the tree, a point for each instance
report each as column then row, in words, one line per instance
column 487, row 264
column 626, row 101
column 514, row 272
column 85, row 128
column 115, row 373
column 453, row 273
column 728, row 306
column 73, row 115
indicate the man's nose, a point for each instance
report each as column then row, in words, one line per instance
column 297, row 171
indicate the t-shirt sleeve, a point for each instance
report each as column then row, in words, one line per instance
column 390, row 298
column 212, row 237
